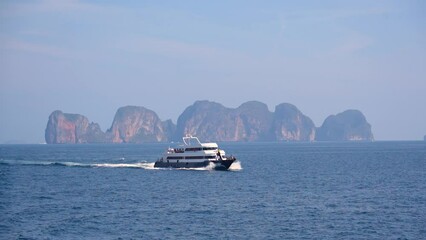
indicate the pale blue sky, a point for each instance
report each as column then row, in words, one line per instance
column 91, row 57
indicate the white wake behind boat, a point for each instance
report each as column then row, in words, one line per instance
column 194, row 154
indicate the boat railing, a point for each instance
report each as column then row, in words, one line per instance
column 188, row 140
column 175, row 150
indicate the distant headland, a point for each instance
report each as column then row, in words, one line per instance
column 210, row 121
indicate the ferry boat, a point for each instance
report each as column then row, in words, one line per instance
column 194, row 154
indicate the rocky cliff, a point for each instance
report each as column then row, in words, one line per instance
column 210, row 121
column 349, row 125
column 137, row 124
column 72, row 128
column 252, row 121
column 201, row 120
column 291, row 125
column 256, row 119
column 131, row 125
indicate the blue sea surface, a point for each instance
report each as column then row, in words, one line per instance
column 356, row 190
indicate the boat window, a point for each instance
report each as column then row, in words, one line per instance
column 192, row 149
column 201, row 157
column 194, row 157
column 209, row 148
column 179, row 150
column 174, row 157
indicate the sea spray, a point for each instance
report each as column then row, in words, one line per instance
column 236, row 166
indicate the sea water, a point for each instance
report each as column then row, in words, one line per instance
column 374, row 190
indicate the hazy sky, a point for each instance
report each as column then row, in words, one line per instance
column 92, row 57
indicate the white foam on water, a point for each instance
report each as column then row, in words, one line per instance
column 143, row 165
column 71, row 164
column 235, row 166
column 210, row 167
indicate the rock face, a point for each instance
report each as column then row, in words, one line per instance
column 210, row 121
column 252, row 121
column 291, row 125
column 137, row 124
column 130, row 125
column 72, row 128
column 201, row 120
column 256, row 119
column 349, row 125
